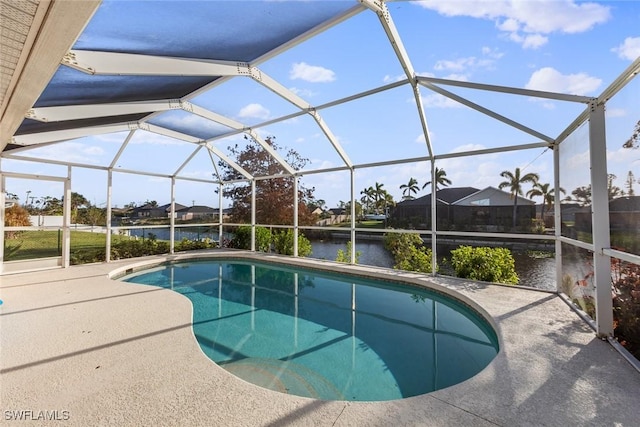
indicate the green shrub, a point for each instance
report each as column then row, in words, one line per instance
column 263, row 239
column 409, row 252
column 283, row 243
column 345, row 255
column 242, row 238
column 483, row 263
column 192, row 245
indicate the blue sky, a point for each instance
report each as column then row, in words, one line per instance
column 559, row 45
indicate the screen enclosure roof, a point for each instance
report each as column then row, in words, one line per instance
column 173, row 69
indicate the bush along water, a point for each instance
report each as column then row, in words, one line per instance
column 409, row 252
column 487, row 264
column 281, row 242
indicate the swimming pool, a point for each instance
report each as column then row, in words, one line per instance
column 327, row 336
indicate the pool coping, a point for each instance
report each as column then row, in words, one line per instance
column 76, row 340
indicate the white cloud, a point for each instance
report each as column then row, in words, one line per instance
column 534, row 41
column 70, row 151
column 146, row 137
column 578, row 161
column 526, row 22
column 438, row 101
column 462, row 68
column 629, row 49
column 492, row 53
column 311, row 73
column 550, row 79
column 305, row 93
column 254, row 111
column 467, row 147
column 462, row 64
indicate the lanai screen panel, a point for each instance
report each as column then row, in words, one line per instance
column 204, row 30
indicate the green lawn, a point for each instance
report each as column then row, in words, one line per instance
column 48, row 243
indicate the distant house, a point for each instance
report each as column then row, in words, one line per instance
column 624, row 215
column 10, row 201
column 196, row 212
column 150, row 211
column 336, row 216
column 465, row 207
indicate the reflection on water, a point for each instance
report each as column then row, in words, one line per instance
column 533, row 271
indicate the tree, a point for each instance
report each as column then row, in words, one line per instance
column 274, row 196
column 514, row 181
column 368, row 196
column 634, row 140
column 581, row 195
column 409, row 189
column 547, row 194
column 631, row 179
column 441, row 179
column 92, row 215
column 77, row 200
column 51, row 206
column 379, row 196
column 16, row 216
column 613, row 190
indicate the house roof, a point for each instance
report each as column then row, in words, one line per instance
column 446, row 195
column 197, row 209
column 625, row 204
column 167, row 207
column 491, row 196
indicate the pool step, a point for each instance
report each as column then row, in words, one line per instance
column 284, row 376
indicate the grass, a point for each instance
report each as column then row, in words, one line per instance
column 48, row 243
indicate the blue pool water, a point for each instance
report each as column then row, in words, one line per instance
column 326, row 336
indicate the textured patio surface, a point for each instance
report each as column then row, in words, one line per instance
column 104, row 352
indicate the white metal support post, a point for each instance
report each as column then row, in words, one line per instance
column 600, row 220
column 172, row 217
column 353, row 216
column 253, row 215
column 66, row 221
column 107, row 255
column 220, row 213
column 3, row 189
column 557, row 216
column 295, row 216
column 434, row 220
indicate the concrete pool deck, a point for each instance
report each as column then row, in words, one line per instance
column 88, row 350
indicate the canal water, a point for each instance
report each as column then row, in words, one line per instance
column 533, row 270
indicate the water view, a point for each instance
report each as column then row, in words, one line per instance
column 535, row 269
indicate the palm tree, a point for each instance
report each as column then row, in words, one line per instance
column 514, row 181
column 367, row 197
column 409, row 188
column 547, row 194
column 441, row 179
column 378, row 195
